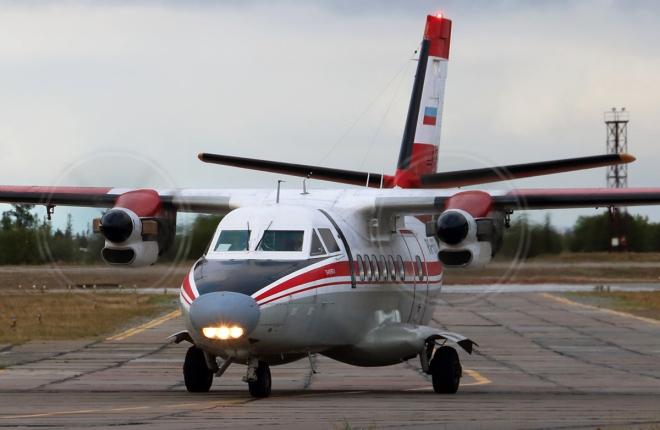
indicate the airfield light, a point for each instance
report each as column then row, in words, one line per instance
column 223, row 332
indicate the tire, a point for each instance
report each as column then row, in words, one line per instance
column 446, row 370
column 261, row 387
column 196, row 374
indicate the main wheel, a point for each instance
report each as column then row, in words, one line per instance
column 446, row 370
column 196, row 373
column 261, row 387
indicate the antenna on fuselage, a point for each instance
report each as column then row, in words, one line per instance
column 279, row 183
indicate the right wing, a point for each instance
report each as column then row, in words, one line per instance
column 210, row 201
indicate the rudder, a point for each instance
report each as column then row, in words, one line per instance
column 421, row 136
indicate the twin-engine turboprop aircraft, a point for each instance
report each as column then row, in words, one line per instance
column 351, row 274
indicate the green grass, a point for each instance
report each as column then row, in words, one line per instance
column 642, row 303
column 62, row 316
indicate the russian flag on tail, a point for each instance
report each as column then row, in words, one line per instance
column 430, row 115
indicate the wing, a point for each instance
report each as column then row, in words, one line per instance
column 182, row 200
column 542, row 198
column 519, row 199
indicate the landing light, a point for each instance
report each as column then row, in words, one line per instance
column 438, row 15
column 223, row 332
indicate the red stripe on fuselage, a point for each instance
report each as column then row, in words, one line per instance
column 432, row 268
column 340, row 268
column 187, row 288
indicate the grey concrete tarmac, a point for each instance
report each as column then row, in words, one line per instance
column 542, row 363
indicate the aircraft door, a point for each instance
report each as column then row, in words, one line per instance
column 419, row 276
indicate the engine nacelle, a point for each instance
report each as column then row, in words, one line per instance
column 465, row 241
column 137, row 230
column 129, row 239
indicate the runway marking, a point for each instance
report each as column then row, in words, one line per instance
column 50, row 414
column 180, row 405
column 566, row 301
column 132, row 408
column 142, row 327
column 479, row 379
column 220, row 403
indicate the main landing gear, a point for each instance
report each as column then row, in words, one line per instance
column 196, row 373
column 446, row 370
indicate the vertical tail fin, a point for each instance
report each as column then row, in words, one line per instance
column 421, row 135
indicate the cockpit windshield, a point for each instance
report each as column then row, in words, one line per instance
column 233, row 240
column 282, row 240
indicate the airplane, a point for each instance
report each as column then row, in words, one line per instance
column 354, row 273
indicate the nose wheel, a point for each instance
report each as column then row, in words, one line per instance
column 196, row 373
column 260, row 384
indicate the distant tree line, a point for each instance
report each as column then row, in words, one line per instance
column 26, row 239
column 589, row 234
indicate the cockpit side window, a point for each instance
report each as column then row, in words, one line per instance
column 282, row 240
column 329, row 240
column 233, row 240
column 317, row 246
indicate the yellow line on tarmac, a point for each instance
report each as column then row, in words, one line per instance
column 566, row 301
column 132, row 408
column 142, row 327
column 50, row 414
column 231, row 402
column 479, row 379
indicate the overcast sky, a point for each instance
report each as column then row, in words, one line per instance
column 126, row 93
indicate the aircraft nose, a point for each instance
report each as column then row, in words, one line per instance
column 224, row 315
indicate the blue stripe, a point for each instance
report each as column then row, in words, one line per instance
column 430, row 111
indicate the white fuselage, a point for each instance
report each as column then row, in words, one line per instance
column 329, row 299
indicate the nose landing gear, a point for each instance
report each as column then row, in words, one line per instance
column 258, row 378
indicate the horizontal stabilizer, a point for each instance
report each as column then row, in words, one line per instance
column 461, row 178
column 302, row 170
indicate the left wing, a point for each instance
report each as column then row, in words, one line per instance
column 518, row 199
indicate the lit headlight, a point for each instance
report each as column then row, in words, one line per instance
column 223, row 332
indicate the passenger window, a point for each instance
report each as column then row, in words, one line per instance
column 383, row 267
column 374, row 267
column 402, row 268
column 360, row 267
column 391, row 267
column 317, row 246
column 329, row 240
column 419, row 269
column 367, row 265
